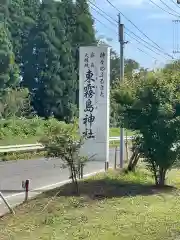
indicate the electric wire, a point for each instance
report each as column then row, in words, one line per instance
column 129, row 37
column 169, row 7
column 104, row 14
column 136, row 27
column 164, row 9
column 176, row 4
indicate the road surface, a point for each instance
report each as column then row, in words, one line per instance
column 43, row 175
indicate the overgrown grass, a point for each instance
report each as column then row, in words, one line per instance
column 29, row 131
column 111, row 206
column 22, row 131
column 26, row 131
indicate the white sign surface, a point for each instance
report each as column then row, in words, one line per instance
column 94, row 77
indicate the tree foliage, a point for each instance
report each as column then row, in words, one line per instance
column 51, row 71
column 15, row 103
column 65, row 144
column 40, row 41
column 129, row 66
column 9, row 74
column 16, row 27
column 151, row 106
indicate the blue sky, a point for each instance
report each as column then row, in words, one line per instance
column 156, row 23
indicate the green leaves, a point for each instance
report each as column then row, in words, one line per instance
column 9, row 74
column 65, row 144
column 151, row 107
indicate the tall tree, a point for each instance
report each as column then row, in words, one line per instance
column 9, row 74
column 4, row 12
column 84, row 33
column 16, row 27
column 129, row 66
column 66, row 15
column 52, row 64
column 31, row 11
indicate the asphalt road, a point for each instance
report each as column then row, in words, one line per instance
column 43, row 175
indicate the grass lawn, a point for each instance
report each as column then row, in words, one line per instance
column 115, row 132
column 111, row 206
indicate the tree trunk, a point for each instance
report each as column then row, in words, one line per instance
column 71, row 174
column 155, row 173
column 129, row 168
column 76, row 186
column 161, row 177
column 133, row 161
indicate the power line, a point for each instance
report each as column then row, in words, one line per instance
column 137, row 27
column 169, row 7
column 104, row 16
column 142, row 44
column 164, row 9
column 115, row 21
column 105, row 25
column 144, row 41
column 147, row 53
column 175, row 4
column 129, row 36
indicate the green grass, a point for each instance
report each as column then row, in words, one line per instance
column 32, row 155
column 115, row 132
column 17, row 140
column 111, row 206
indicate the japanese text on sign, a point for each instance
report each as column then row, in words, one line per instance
column 102, row 69
column 89, row 93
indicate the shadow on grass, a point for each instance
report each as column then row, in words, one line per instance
column 108, row 188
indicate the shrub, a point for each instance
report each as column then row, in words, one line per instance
column 152, row 107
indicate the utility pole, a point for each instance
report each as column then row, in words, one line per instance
column 121, row 41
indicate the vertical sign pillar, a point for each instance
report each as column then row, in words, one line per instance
column 94, row 77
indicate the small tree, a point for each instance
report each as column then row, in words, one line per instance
column 152, row 107
column 64, row 143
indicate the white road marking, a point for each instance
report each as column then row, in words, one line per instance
column 51, row 186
